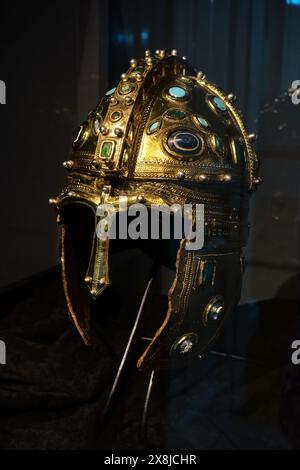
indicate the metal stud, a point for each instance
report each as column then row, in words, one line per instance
column 128, row 100
column 53, row 201
column 231, row 97
column 184, row 57
column 124, row 77
column 133, row 63
column 252, row 137
column 180, row 175
column 147, row 53
column 105, row 189
column 88, row 279
column 140, row 199
column 68, row 164
column 214, row 309
column 257, row 180
column 139, row 77
column 109, row 163
column 201, row 76
column 118, row 132
column 185, row 344
column 149, row 61
column 71, row 194
column 103, row 130
column 174, row 52
column 95, row 164
column 113, row 100
column 226, row 177
column 202, row 177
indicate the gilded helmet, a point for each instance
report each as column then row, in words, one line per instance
column 164, row 135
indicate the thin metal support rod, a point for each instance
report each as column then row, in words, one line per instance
column 125, row 355
column 146, row 407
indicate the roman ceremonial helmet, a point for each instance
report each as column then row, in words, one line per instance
column 163, row 135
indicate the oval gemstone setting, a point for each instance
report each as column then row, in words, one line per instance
column 175, row 114
column 177, row 92
column 184, row 143
column 155, row 126
column 219, row 104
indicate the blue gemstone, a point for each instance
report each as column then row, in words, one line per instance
column 184, row 143
column 208, row 272
column 203, row 122
column 110, row 92
column 154, row 127
column 219, row 145
column 177, row 92
column 219, row 104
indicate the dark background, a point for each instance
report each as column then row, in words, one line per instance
column 57, row 59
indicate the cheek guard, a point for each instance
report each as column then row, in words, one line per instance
column 163, row 136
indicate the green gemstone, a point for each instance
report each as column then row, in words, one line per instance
column 208, row 272
column 219, row 145
column 116, row 115
column 176, row 114
column 138, row 69
column 126, row 88
column 106, row 149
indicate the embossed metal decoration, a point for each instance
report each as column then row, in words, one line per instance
column 164, row 135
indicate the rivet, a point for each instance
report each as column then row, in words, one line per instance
column 109, row 163
column 174, row 52
column 139, row 77
column 105, row 189
column 133, row 63
column 257, row 180
column 53, row 202
column 231, row 97
column 226, row 177
column 201, row 76
column 128, row 100
column 96, row 164
column 184, row 344
column 113, row 100
column 140, row 199
column 103, row 130
column 118, row 132
column 180, row 175
column 123, row 77
column 68, row 164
